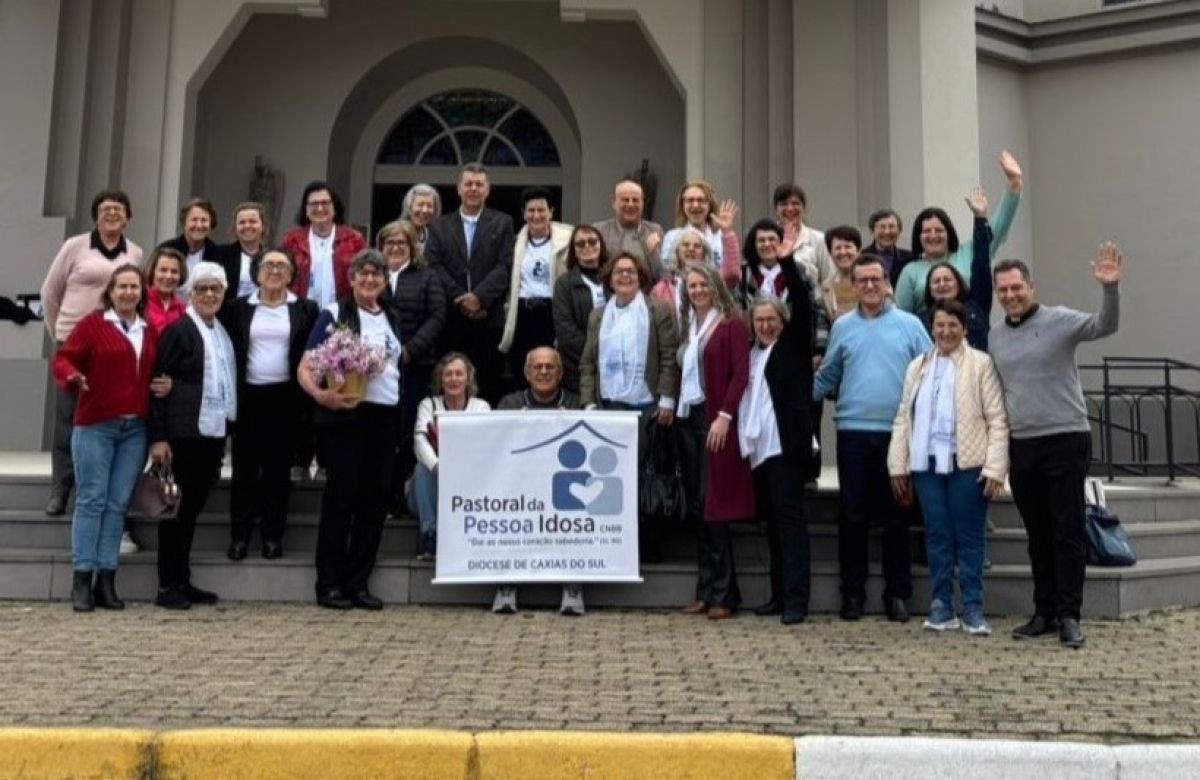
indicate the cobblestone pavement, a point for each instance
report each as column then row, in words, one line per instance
column 445, row 667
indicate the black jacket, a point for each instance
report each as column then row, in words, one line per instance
column 903, row 257
column 573, row 304
column 230, row 258
column 485, row 271
column 789, row 372
column 302, row 314
column 181, row 357
column 420, row 300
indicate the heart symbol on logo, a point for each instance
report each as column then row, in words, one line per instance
column 586, row 493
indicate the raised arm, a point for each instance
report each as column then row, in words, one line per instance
column 1007, row 211
column 980, row 282
column 731, row 252
column 1107, row 269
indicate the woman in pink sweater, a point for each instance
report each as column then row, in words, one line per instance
column 107, row 363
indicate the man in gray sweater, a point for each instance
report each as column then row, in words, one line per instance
column 1050, row 440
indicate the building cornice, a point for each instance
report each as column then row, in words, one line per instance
column 1112, row 31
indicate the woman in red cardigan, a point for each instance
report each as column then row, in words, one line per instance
column 107, row 361
column 714, row 356
column 322, row 246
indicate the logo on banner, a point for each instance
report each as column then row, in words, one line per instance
column 595, row 489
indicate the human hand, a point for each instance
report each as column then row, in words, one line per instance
column 333, row 398
column 992, row 488
column 791, row 234
column 79, row 380
column 653, row 242
column 160, row 386
column 1012, row 171
column 469, row 304
column 901, row 487
column 717, row 433
column 977, row 201
column 1108, row 263
column 160, row 452
column 726, row 215
column 664, row 416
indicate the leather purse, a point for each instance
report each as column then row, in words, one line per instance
column 155, row 495
column 660, row 487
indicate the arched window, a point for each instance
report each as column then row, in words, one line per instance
column 432, row 140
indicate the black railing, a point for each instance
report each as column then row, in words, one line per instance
column 1145, row 414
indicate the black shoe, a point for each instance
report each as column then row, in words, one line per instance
column 793, row 618
column 105, row 592
column 82, row 599
column 236, row 551
column 1038, row 625
column 1070, row 634
column 364, row 600
column 56, row 506
column 897, row 610
column 334, row 599
column 197, row 596
column 172, row 598
column 272, row 550
column 852, row 608
column 772, row 607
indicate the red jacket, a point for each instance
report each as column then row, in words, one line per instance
column 347, row 242
column 118, row 382
column 726, row 366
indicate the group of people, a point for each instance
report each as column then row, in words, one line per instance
column 726, row 345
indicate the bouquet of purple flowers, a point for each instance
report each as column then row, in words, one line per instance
column 347, row 361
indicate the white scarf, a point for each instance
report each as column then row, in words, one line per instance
column 218, row 398
column 758, row 428
column 691, row 390
column 768, row 280
column 320, row 251
column 624, row 336
column 934, row 418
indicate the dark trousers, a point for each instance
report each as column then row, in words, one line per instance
column 62, row 466
column 716, row 579
column 1047, row 476
column 193, row 462
column 481, row 344
column 261, row 460
column 780, row 499
column 535, row 328
column 866, row 496
column 359, row 455
column 414, row 381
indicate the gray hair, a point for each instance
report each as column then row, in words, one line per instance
column 779, row 306
column 420, row 191
column 683, row 231
column 366, row 257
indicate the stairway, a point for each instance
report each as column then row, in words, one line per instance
column 1163, row 523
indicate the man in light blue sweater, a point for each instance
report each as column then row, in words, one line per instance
column 869, row 350
column 1050, row 441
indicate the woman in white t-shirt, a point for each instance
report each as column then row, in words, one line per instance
column 357, row 440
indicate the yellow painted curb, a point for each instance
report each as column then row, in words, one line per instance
column 520, row 755
column 327, row 754
column 76, row 753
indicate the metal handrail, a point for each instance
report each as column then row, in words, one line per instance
column 1164, row 392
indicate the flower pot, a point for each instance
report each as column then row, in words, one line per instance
column 355, row 386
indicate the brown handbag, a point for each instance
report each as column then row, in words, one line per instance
column 156, row 496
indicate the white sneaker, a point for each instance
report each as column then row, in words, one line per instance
column 128, row 546
column 572, row 601
column 505, row 602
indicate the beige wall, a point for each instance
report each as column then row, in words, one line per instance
column 1115, row 156
column 624, row 106
column 1003, row 124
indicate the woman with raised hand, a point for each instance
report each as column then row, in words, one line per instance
column 107, row 362
column 576, row 294
column 775, row 430
column 696, row 207
column 935, row 240
column 269, row 329
column 188, row 427
column 357, row 438
column 950, row 443
column 454, row 389
column 946, row 283
column 714, row 360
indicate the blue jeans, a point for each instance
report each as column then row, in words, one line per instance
column 108, row 457
column 955, row 512
column 422, row 502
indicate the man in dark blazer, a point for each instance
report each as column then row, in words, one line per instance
column 885, row 227
column 471, row 250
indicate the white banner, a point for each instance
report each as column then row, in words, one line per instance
column 542, row 496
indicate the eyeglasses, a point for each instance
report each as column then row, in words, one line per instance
column 624, row 272
column 583, row 243
column 397, row 243
column 275, row 267
column 544, row 368
column 867, row 281
column 695, row 200
column 109, row 208
column 208, row 289
column 320, row 204
column 368, row 270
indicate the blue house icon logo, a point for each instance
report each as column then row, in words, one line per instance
column 586, row 480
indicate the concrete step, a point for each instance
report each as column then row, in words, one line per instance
column 46, row 574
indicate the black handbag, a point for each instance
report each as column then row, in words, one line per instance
column 660, row 487
column 1107, row 542
column 155, row 495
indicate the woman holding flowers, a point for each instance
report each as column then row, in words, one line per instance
column 352, row 371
